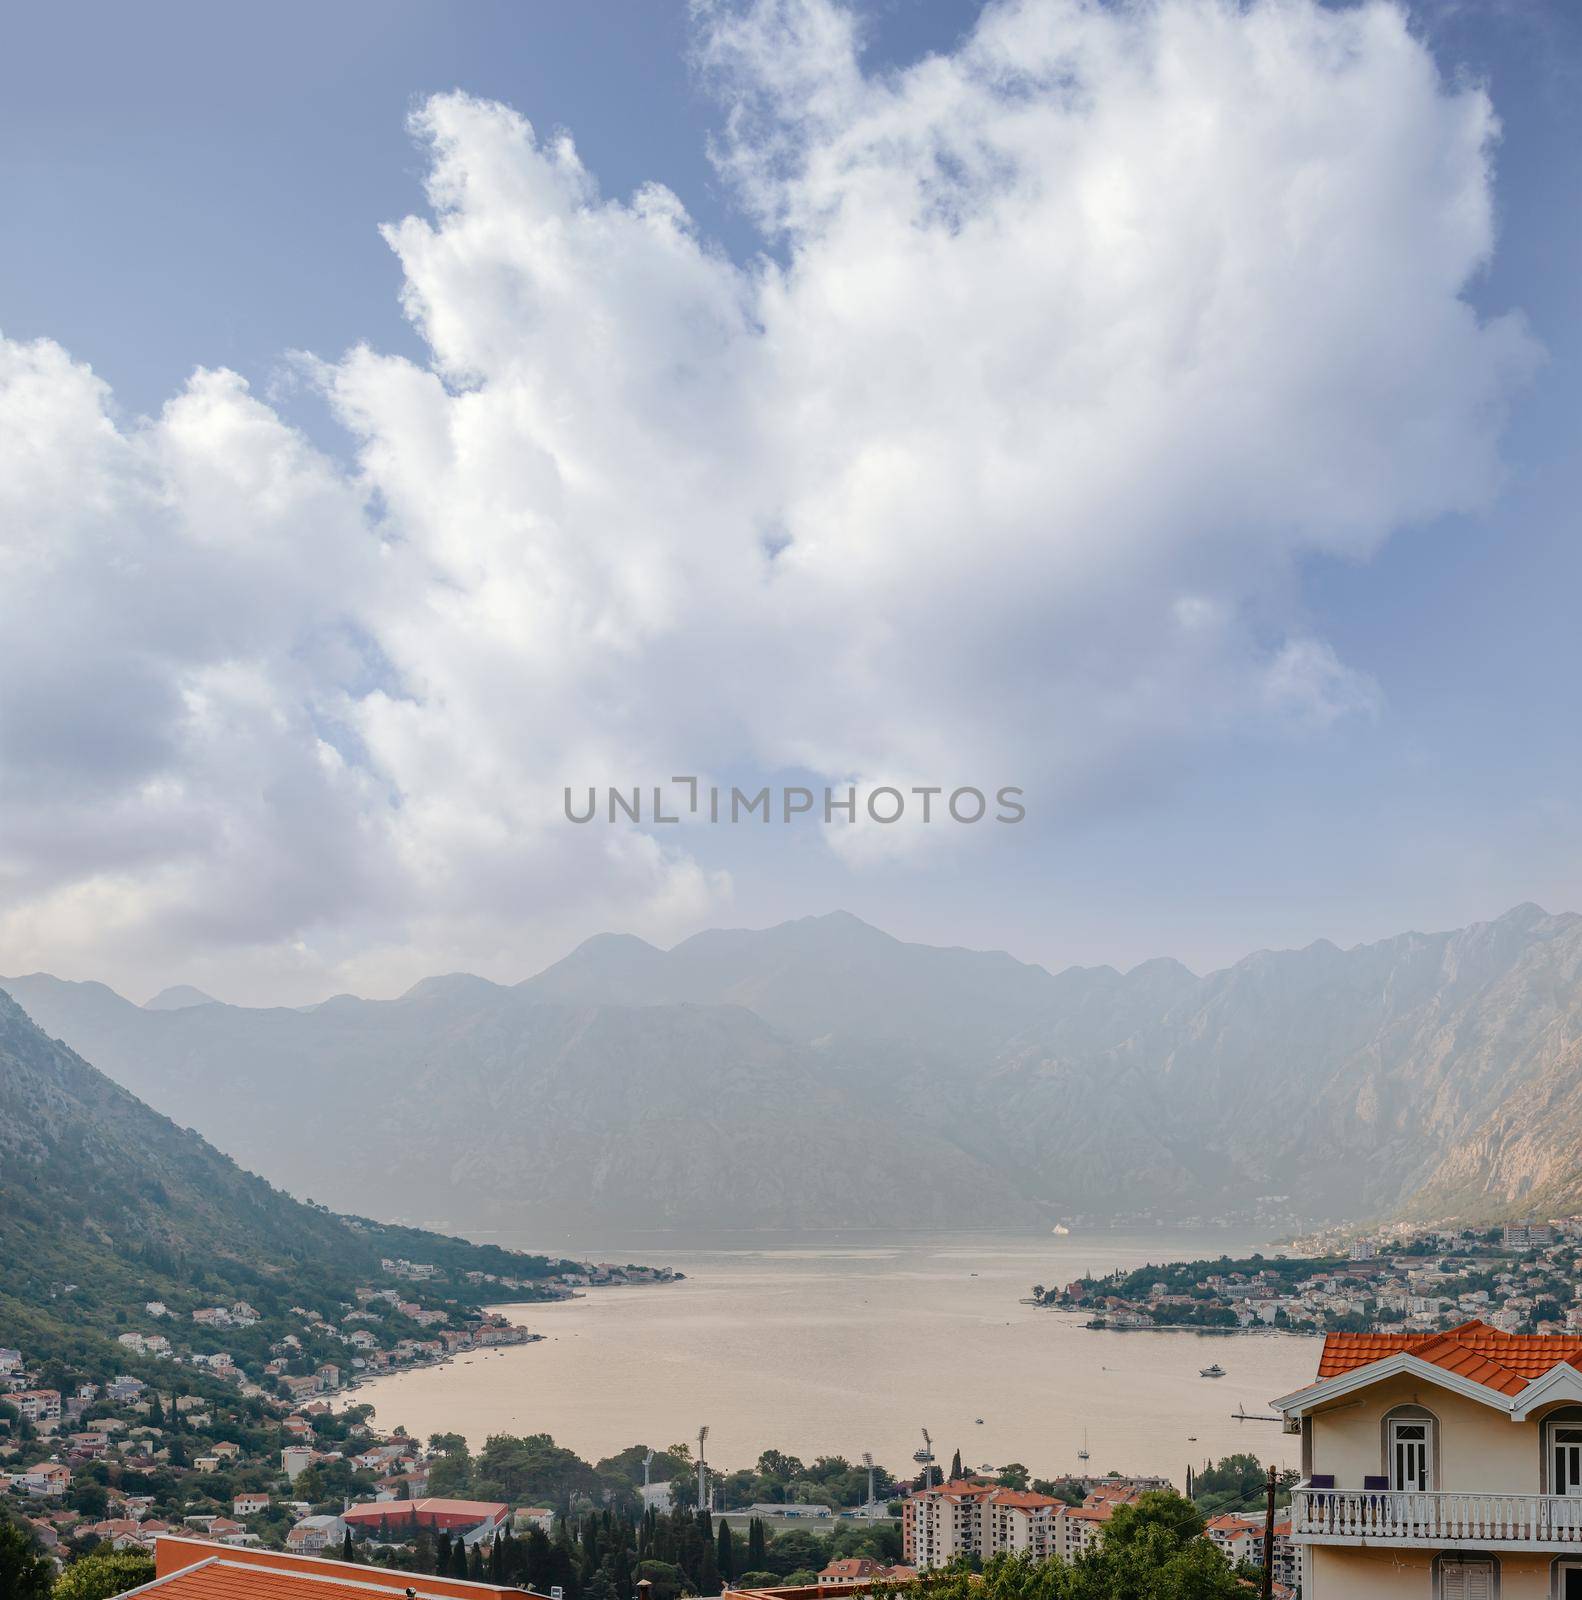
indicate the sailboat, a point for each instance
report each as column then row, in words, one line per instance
column 1082, row 1454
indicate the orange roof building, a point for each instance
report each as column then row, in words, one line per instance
column 193, row 1569
column 1505, row 1362
column 432, row 1513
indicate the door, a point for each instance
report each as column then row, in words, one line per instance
column 1467, row 1580
column 1570, row 1582
column 1565, row 1461
column 1409, row 1455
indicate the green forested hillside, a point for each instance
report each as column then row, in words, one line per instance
column 105, row 1204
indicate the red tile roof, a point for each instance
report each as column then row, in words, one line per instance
column 452, row 1512
column 1504, row 1362
column 189, row 1569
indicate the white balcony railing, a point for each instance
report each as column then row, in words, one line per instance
column 1407, row 1516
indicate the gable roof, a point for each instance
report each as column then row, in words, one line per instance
column 1512, row 1372
column 1504, row 1362
column 191, row 1569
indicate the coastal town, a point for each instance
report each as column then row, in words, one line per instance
column 1520, row 1277
column 279, row 1462
column 230, row 1424
column 227, row 1432
column 219, row 1424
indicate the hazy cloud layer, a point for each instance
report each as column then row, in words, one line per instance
column 1064, row 349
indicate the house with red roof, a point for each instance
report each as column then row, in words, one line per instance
column 1446, row 1466
column 474, row 1519
column 191, row 1569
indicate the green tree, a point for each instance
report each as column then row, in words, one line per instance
column 955, row 1466
column 450, row 1477
column 102, row 1573
column 794, row 1550
column 89, row 1498
column 725, row 1555
column 1159, row 1509
column 1013, row 1476
column 24, row 1572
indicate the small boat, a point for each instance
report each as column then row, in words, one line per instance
column 1215, row 1371
column 1082, row 1454
column 1191, row 1438
column 1060, row 1228
column 978, row 1420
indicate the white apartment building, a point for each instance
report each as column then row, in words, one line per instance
column 969, row 1517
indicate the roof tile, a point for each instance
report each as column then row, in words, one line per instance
column 1504, row 1362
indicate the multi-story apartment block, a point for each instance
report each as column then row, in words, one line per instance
column 1446, row 1466
column 969, row 1517
column 37, row 1405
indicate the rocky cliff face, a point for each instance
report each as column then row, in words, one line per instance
column 824, row 1074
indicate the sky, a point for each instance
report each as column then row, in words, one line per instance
column 409, row 413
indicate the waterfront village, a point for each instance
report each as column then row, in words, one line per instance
column 228, row 1429
column 215, row 1443
column 218, row 1426
column 1521, row 1277
column 228, row 1425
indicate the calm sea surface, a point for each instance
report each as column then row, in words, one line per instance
column 854, row 1344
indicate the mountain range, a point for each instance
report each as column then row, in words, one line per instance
column 823, row 1074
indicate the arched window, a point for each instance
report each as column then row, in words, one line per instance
column 1561, row 1471
column 1411, row 1448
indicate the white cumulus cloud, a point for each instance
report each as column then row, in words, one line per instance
column 1065, row 348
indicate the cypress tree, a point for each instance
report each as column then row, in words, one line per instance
column 458, row 1559
column 497, row 1560
column 708, row 1571
column 346, row 1546
column 442, row 1553
column 725, row 1556
column 536, row 1560
column 955, row 1466
column 475, row 1564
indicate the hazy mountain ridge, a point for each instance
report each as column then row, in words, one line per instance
column 822, row 1073
column 481, row 1106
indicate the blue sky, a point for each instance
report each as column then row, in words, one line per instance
column 193, row 186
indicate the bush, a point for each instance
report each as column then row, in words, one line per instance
column 104, row 1573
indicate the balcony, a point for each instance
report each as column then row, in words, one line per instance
column 1410, row 1517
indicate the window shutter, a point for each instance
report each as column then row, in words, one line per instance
column 1466, row 1580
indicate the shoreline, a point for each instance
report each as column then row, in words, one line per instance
column 781, row 1352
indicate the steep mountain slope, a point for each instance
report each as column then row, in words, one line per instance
column 822, row 1073
column 1345, row 1078
column 474, row 1106
column 102, row 1194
